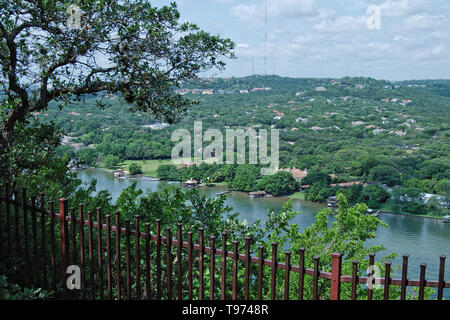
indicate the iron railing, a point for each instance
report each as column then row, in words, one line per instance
column 58, row 239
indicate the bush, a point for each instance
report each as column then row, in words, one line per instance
column 111, row 161
column 135, row 168
column 12, row 291
column 168, row 172
column 278, row 184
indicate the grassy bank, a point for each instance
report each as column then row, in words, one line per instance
column 149, row 167
column 388, row 207
column 298, row 195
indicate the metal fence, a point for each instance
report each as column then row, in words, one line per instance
column 138, row 264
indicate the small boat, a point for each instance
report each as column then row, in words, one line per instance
column 222, row 193
column 446, row 219
column 371, row 212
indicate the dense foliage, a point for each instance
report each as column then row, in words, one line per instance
column 348, row 131
column 47, row 58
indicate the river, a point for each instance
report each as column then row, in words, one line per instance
column 423, row 239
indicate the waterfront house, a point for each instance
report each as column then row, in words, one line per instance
column 120, row 173
column 191, row 183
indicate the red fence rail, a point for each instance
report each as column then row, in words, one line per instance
column 144, row 277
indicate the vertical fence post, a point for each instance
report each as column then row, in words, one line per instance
column 118, row 270
column 35, row 241
column 8, row 220
column 91, row 256
column 422, row 283
column 64, row 240
column 100, row 253
column 387, row 280
column 274, row 271
column 224, row 266
column 137, row 255
column 108, row 255
column 212, row 266
column 316, row 278
column 200, row 263
column 371, row 266
column 147, row 260
column 179, row 261
column 354, row 278
column 336, row 265
column 82, row 257
column 235, row 269
column 16, row 220
column 52, row 244
column 260, row 271
column 158, row 259
column 301, row 274
column 247, row 268
column 287, row 268
column 43, row 241
column 441, row 277
column 169, row 262
column 127, row 256
column 1, row 224
column 189, row 265
column 25, row 236
column 73, row 230
column 404, row 277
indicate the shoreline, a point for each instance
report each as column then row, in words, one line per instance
column 272, row 197
column 411, row 215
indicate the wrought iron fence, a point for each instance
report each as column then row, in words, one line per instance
column 118, row 262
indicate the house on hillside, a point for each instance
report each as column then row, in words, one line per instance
column 346, row 184
column 257, row 89
column 297, row 173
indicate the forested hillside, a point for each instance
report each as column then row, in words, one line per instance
column 354, row 128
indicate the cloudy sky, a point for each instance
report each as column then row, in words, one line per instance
column 331, row 38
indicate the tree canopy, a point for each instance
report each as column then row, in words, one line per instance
column 128, row 47
column 60, row 51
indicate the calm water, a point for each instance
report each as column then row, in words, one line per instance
column 423, row 239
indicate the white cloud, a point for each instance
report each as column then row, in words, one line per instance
column 425, row 21
column 244, row 12
column 429, row 53
column 279, row 9
column 396, row 8
column 341, row 24
column 306, row 36
column 292, row 8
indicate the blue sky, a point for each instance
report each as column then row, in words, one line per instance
column 330, row 38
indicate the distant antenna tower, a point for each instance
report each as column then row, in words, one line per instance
column 265, row 38
column 253, row 65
